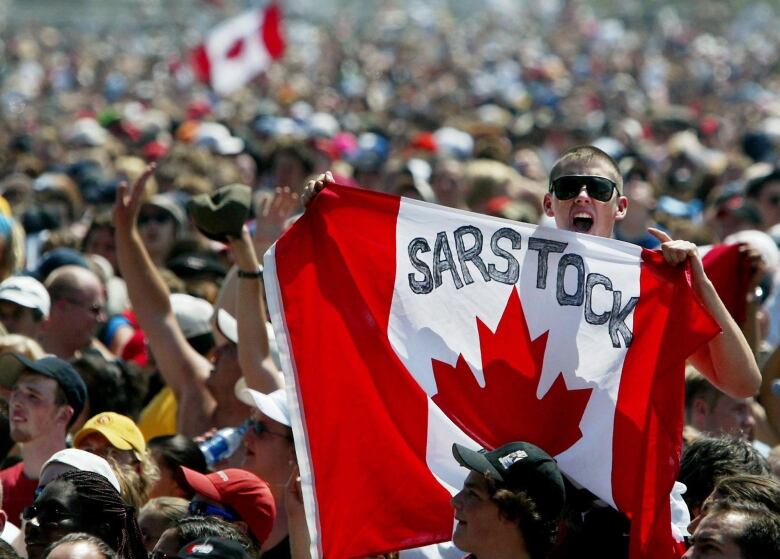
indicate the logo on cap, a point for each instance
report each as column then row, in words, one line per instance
column 508, row 460
column 204, row 548
column 103, row 420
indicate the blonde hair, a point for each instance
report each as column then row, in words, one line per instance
column 16, row 343
column 170, row 508
column 133, row 486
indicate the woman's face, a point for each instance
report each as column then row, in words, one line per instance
column 55, row 513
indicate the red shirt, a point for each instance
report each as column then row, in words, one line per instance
column 18, row 492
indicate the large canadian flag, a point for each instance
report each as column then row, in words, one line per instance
column 404, row 327
column 240, row 48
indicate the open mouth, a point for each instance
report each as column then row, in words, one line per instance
column 582, row 223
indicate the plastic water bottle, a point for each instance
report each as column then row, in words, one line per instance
column 223, row 443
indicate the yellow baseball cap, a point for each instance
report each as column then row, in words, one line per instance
column 120, row 430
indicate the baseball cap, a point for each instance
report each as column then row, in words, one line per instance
column 244, row 492
column 273, row 405
column 13, row 365
column 120, row 430
column 213, row 548
column 519, row 465
column 84, row 461
column 27, row 292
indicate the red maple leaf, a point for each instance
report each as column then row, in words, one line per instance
column 507, row 408
column 236, row 49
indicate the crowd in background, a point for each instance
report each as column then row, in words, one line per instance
column 408, row 98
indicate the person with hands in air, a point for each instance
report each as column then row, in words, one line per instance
column 191, row 377
column 585, row 196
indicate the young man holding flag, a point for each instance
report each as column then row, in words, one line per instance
column 586, row 197
column 490, row 330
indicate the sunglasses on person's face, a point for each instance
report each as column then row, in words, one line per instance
column 48, row 515
column 202, row 508
column 569, row 186
column 160, row 218
column 258, row 428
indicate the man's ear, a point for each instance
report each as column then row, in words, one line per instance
column 547, row 204
column 622, row 208
column 3, row 520
column 699, row 410
column 64, row 414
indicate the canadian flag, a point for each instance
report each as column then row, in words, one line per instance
column 404, row 327
column 238, row 49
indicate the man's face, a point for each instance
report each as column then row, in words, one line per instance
column 80, row 315
column 19, row 320
column 727, row 415
column 270, row 454
column 582, row 213
column 715, row 536
column 769, row 204
column 32, row 409
column 57, row 512
column 479, row 526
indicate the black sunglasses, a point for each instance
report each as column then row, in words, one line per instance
column 161, row 217
column 258, row 428
column 569, row 186
column 47, row 516
column 202, row 508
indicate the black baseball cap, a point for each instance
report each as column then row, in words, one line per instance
column 519, row 466
column 213, row 548
column 13, row 365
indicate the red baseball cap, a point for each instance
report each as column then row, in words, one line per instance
column 244, row 492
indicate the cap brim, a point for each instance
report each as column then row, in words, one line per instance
column 227, row 325
column 200, row 483
column 12, row 366
column 115, row 440
column 265, row 404
column 475, row 461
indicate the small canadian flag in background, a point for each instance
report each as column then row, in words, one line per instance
column 240, row 48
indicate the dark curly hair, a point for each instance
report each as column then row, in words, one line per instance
column 516, row 505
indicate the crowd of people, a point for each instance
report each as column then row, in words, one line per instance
column 131, row 294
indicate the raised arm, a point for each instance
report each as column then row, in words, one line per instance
column 184, row 370
column 727, row 360
column 254, row 355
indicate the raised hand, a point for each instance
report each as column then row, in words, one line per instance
column 128, row 201
column 272, row 211
column 316, row 185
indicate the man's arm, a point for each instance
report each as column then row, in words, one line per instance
column 254, row 355
column 183, row 369
column 727, row 360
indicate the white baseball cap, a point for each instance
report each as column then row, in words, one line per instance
column 27, row 292
column 273, row 405
column 73, row 458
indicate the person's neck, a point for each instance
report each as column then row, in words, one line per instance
column 280, row 529
column 36, row 453
column 511, row 546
